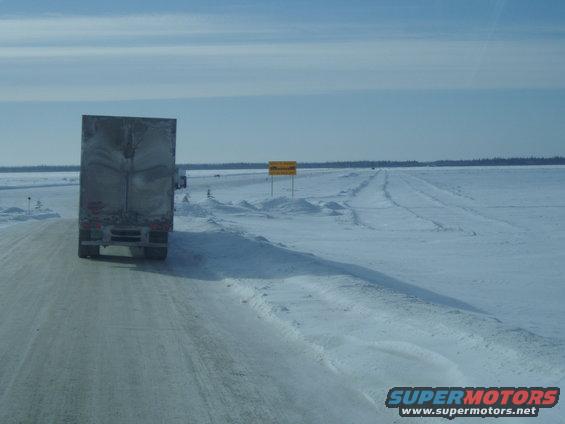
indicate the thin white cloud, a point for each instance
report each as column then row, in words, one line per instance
column 76, row 28
column 123, row 70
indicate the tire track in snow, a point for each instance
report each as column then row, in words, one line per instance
column 355, row 193
column 466, row 209
column 450, row 192
column 356, row 190
column 386, row 192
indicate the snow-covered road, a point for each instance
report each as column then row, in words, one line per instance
column 132, row 341
column 289, row 310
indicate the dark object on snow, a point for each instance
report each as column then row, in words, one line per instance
column 127, row 182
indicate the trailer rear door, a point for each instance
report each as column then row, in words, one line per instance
column 127, row 169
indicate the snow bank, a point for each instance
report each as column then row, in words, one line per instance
column 289, row 206
column 210, row 207
column 334, row 206
column 277, row 206
column 423, row 276
column 214, row 205
column 368, row 331
column 12, row 210
column 245, row 204
column 15, row 214
column 190, row 209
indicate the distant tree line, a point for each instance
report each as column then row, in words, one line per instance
column 556, row 160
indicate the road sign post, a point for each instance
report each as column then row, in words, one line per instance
column 292, row 185
column 282, row 168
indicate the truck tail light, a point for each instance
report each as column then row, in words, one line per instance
column 159, row 227
column 91, row 225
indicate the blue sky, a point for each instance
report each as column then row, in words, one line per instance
column 308, row 80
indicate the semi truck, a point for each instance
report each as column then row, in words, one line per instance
column 127, row 181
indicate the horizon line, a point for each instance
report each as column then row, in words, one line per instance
column 524, row 160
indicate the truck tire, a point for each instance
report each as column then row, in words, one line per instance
column 85, row 251
column 82, row 236
column 159, row 253
column 159, row 237
column 93, row 251
column 82, row 250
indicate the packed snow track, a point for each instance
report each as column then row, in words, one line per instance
column 127, row 340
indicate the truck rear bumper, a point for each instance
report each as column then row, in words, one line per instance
column 122, row 243
column 121, row 235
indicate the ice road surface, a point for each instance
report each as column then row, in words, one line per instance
column 385, row 277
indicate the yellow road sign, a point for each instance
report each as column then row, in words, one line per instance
column 282, row 168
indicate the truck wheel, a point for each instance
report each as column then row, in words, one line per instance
column 82, row 250
column 158, row 236
column 85, row 251
column 159, row 253
column 94, row 251
column 83, row 235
